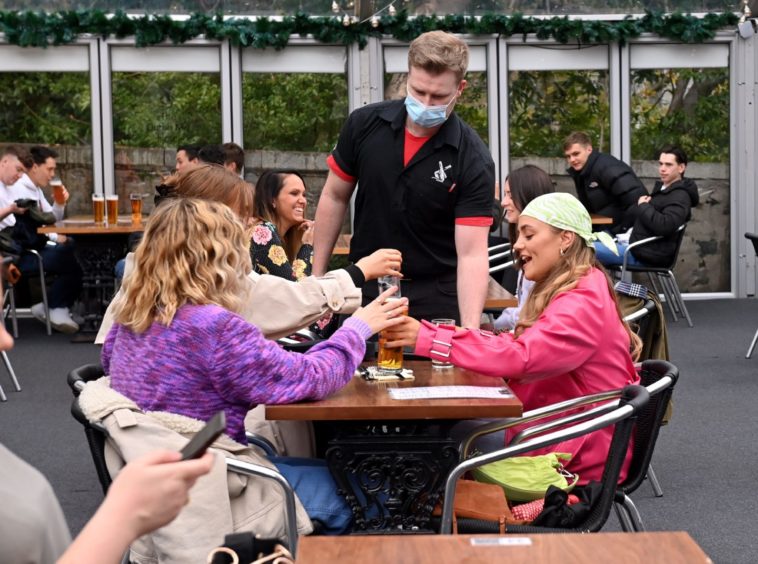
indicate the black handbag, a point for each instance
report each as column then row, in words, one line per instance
column 25, row 231
column 246, row 548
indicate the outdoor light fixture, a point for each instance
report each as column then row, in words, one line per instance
column 747, row 25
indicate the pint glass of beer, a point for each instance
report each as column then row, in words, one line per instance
column 389, row 359
column 98, row 208
column 112, row 204
column 58, row 196
column 135, row 199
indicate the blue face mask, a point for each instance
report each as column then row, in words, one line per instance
column 426, row 116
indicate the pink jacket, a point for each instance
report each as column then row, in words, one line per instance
column 577, row 347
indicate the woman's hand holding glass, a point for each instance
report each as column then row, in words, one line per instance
column 404, row 334
column 382, row 313
column 384, row 262
column 307, row 228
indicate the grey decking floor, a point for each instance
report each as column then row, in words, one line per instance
column 706, row 458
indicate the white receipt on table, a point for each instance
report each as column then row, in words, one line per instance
column 442, row 392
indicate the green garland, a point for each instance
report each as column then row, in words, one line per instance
column 40, row 29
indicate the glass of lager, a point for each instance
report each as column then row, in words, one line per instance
column 389, row 359
column 135, row 198
column 112, row 204
column 98, row 208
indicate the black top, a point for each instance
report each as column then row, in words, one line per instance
column 414, row 208
column 667, row 210
column 608, row 186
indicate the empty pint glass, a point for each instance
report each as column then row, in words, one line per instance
column 389, row 359
column 135, row 199
column 112, row 203
column 98, row 208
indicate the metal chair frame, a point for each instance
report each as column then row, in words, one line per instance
column 661, row 275
column 633, row 398
column 97, row 436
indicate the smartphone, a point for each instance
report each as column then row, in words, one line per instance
column 205, row 437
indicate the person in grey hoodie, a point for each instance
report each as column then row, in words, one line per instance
column 661, row 213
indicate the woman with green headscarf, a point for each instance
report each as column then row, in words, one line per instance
column 570, row 339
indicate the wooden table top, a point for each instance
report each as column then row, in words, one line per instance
column 658, row 547
column 600, row 219
column 84, row 225
column 362, row 400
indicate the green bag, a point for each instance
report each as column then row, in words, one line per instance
column 526, row 478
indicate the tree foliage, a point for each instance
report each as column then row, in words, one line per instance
column 688, row 107
column 296, row 112
column 544, row 107
column 50, row 107
column 166, row 109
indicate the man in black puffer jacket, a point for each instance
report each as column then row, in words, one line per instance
column 662, row 213
column 604, row 184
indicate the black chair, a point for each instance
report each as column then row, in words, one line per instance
column 659, row 378
column 97, row 436
column 662, row 274
column 753, row 238
column 621, row 413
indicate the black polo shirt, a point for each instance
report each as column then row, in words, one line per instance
column 413, row 208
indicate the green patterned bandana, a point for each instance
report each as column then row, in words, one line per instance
column 564, row 211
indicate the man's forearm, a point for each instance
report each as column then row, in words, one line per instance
column 473, row 276
column 329, row 216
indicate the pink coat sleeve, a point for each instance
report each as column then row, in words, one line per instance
column 562, row 339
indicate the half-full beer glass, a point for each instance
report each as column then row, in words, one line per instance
column 98, row 208
column 389, row 359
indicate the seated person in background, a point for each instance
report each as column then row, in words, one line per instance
column 40, row 170
column 521, row 187
column 234, row 158
column 282, row 238
column 278, row 307
column 147, row 494
column 211, row 154
column 604, row 184
column 570, row 339
column 179, row 345
column 659, row 214
column 57, row 258
column 186, row 157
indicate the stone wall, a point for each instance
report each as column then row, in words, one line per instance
column 704, row 261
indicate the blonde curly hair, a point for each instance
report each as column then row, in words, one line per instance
column 193, row 252
column 575, row 263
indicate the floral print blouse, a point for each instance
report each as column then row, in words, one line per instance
column 267, row 253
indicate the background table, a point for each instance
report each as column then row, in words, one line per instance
column 98, row 248
column 621, row 548
column 390, row 458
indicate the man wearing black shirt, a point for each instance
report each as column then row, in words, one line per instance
column 425, row 187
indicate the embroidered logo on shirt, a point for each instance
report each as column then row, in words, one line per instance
column 594, row 184
column 439, row 174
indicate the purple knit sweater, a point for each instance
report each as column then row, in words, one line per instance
column 210, row 359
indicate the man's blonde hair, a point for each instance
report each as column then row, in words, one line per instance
column 193, row 252
column 437, row 52
column 573, row 265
